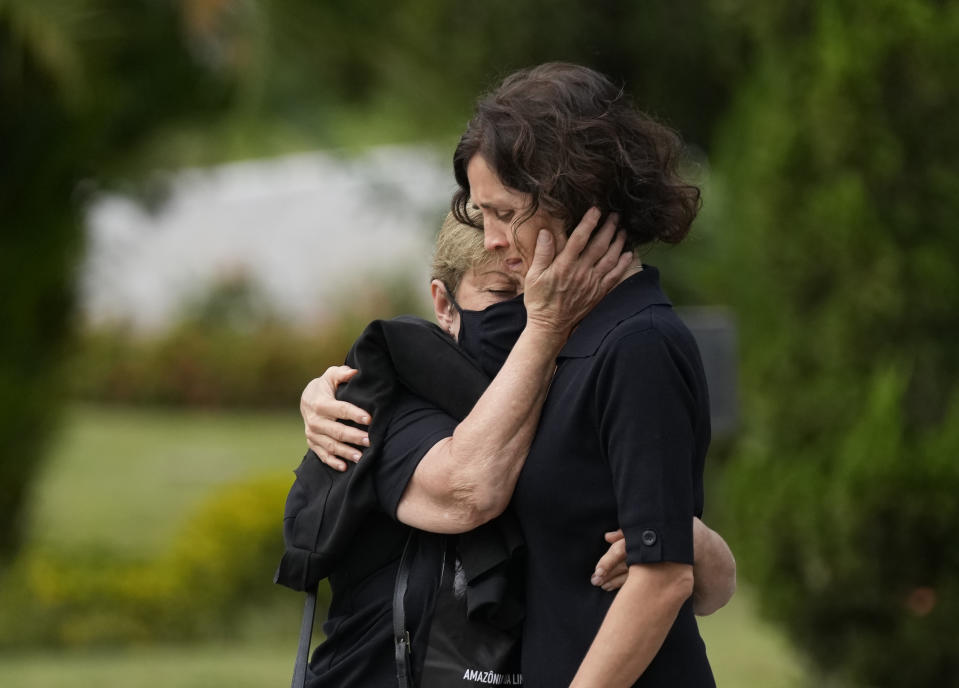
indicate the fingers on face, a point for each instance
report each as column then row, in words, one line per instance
column 579, row 238
column 610, row 258
column 543, row 255
column 612, row 278
column 599, row 243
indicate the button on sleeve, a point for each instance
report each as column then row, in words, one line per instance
column 647, row 430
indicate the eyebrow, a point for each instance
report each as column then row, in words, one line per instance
column 497, row 273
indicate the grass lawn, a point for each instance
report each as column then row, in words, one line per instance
column 122, row 480
column 744, row 654
column 237, row 666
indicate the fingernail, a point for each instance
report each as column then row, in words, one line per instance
column 543, row 236
column 356, row 456
column 607, row 587
column 365, row 420
column 365, row 441
column 596, row 580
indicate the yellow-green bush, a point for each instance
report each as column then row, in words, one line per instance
column 218, row 568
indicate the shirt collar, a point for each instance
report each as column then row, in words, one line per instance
column 638, row 292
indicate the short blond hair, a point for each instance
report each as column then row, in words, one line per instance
column 459, row 247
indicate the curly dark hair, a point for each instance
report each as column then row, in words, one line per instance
column 570, row 138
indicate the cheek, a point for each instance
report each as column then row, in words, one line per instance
column 527, row 233
column 557, row 229
column 523, row 239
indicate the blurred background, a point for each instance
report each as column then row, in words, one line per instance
column 203, row 202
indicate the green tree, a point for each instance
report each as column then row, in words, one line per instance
column 830, row 230
column 82, row 85
column 98, row 92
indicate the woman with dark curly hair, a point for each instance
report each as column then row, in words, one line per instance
column 625, row 428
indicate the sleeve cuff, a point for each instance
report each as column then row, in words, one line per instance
column 397, row 490
column 654, row 543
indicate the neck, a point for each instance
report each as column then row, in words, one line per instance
column 633, row 269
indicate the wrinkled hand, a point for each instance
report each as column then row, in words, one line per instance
column 611, row 569
column 562, row 288
column 321, row 411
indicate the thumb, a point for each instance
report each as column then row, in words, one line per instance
column 542, row 256
column 341, row 374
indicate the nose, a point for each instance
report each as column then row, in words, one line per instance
column 494, row 234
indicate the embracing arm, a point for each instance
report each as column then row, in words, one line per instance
column 467, row 479
column 714, row 570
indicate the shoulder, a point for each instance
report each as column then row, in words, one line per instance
column 650, row 348
column 653, row 327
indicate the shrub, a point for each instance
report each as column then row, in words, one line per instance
column 217, row 571
column 227, row 351
column 837, row 190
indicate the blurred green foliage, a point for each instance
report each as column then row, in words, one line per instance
column 81, row 83
column 99, row 92
column 830, row 230
column 211, row 575
column 228, row 350
column 832, row 185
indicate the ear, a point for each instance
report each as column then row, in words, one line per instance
column 446, row 314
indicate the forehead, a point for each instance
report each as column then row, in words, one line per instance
column 489, row 273
column 486, row 188
column 474, row 292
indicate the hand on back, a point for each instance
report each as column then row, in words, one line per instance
column 331, row 440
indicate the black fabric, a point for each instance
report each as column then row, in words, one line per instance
column 621, row 443
column 415, row 426
column 306, row 635
column 461, row 654
column 326, row 508
column 489, row 335
column 401, row 636
column 342, row 525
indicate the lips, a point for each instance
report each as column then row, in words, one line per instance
column 514, row 264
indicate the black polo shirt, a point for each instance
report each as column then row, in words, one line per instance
column 621, row 443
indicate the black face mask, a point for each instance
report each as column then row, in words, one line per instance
column 489, row 335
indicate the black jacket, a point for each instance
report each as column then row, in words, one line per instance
column 325, row 507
